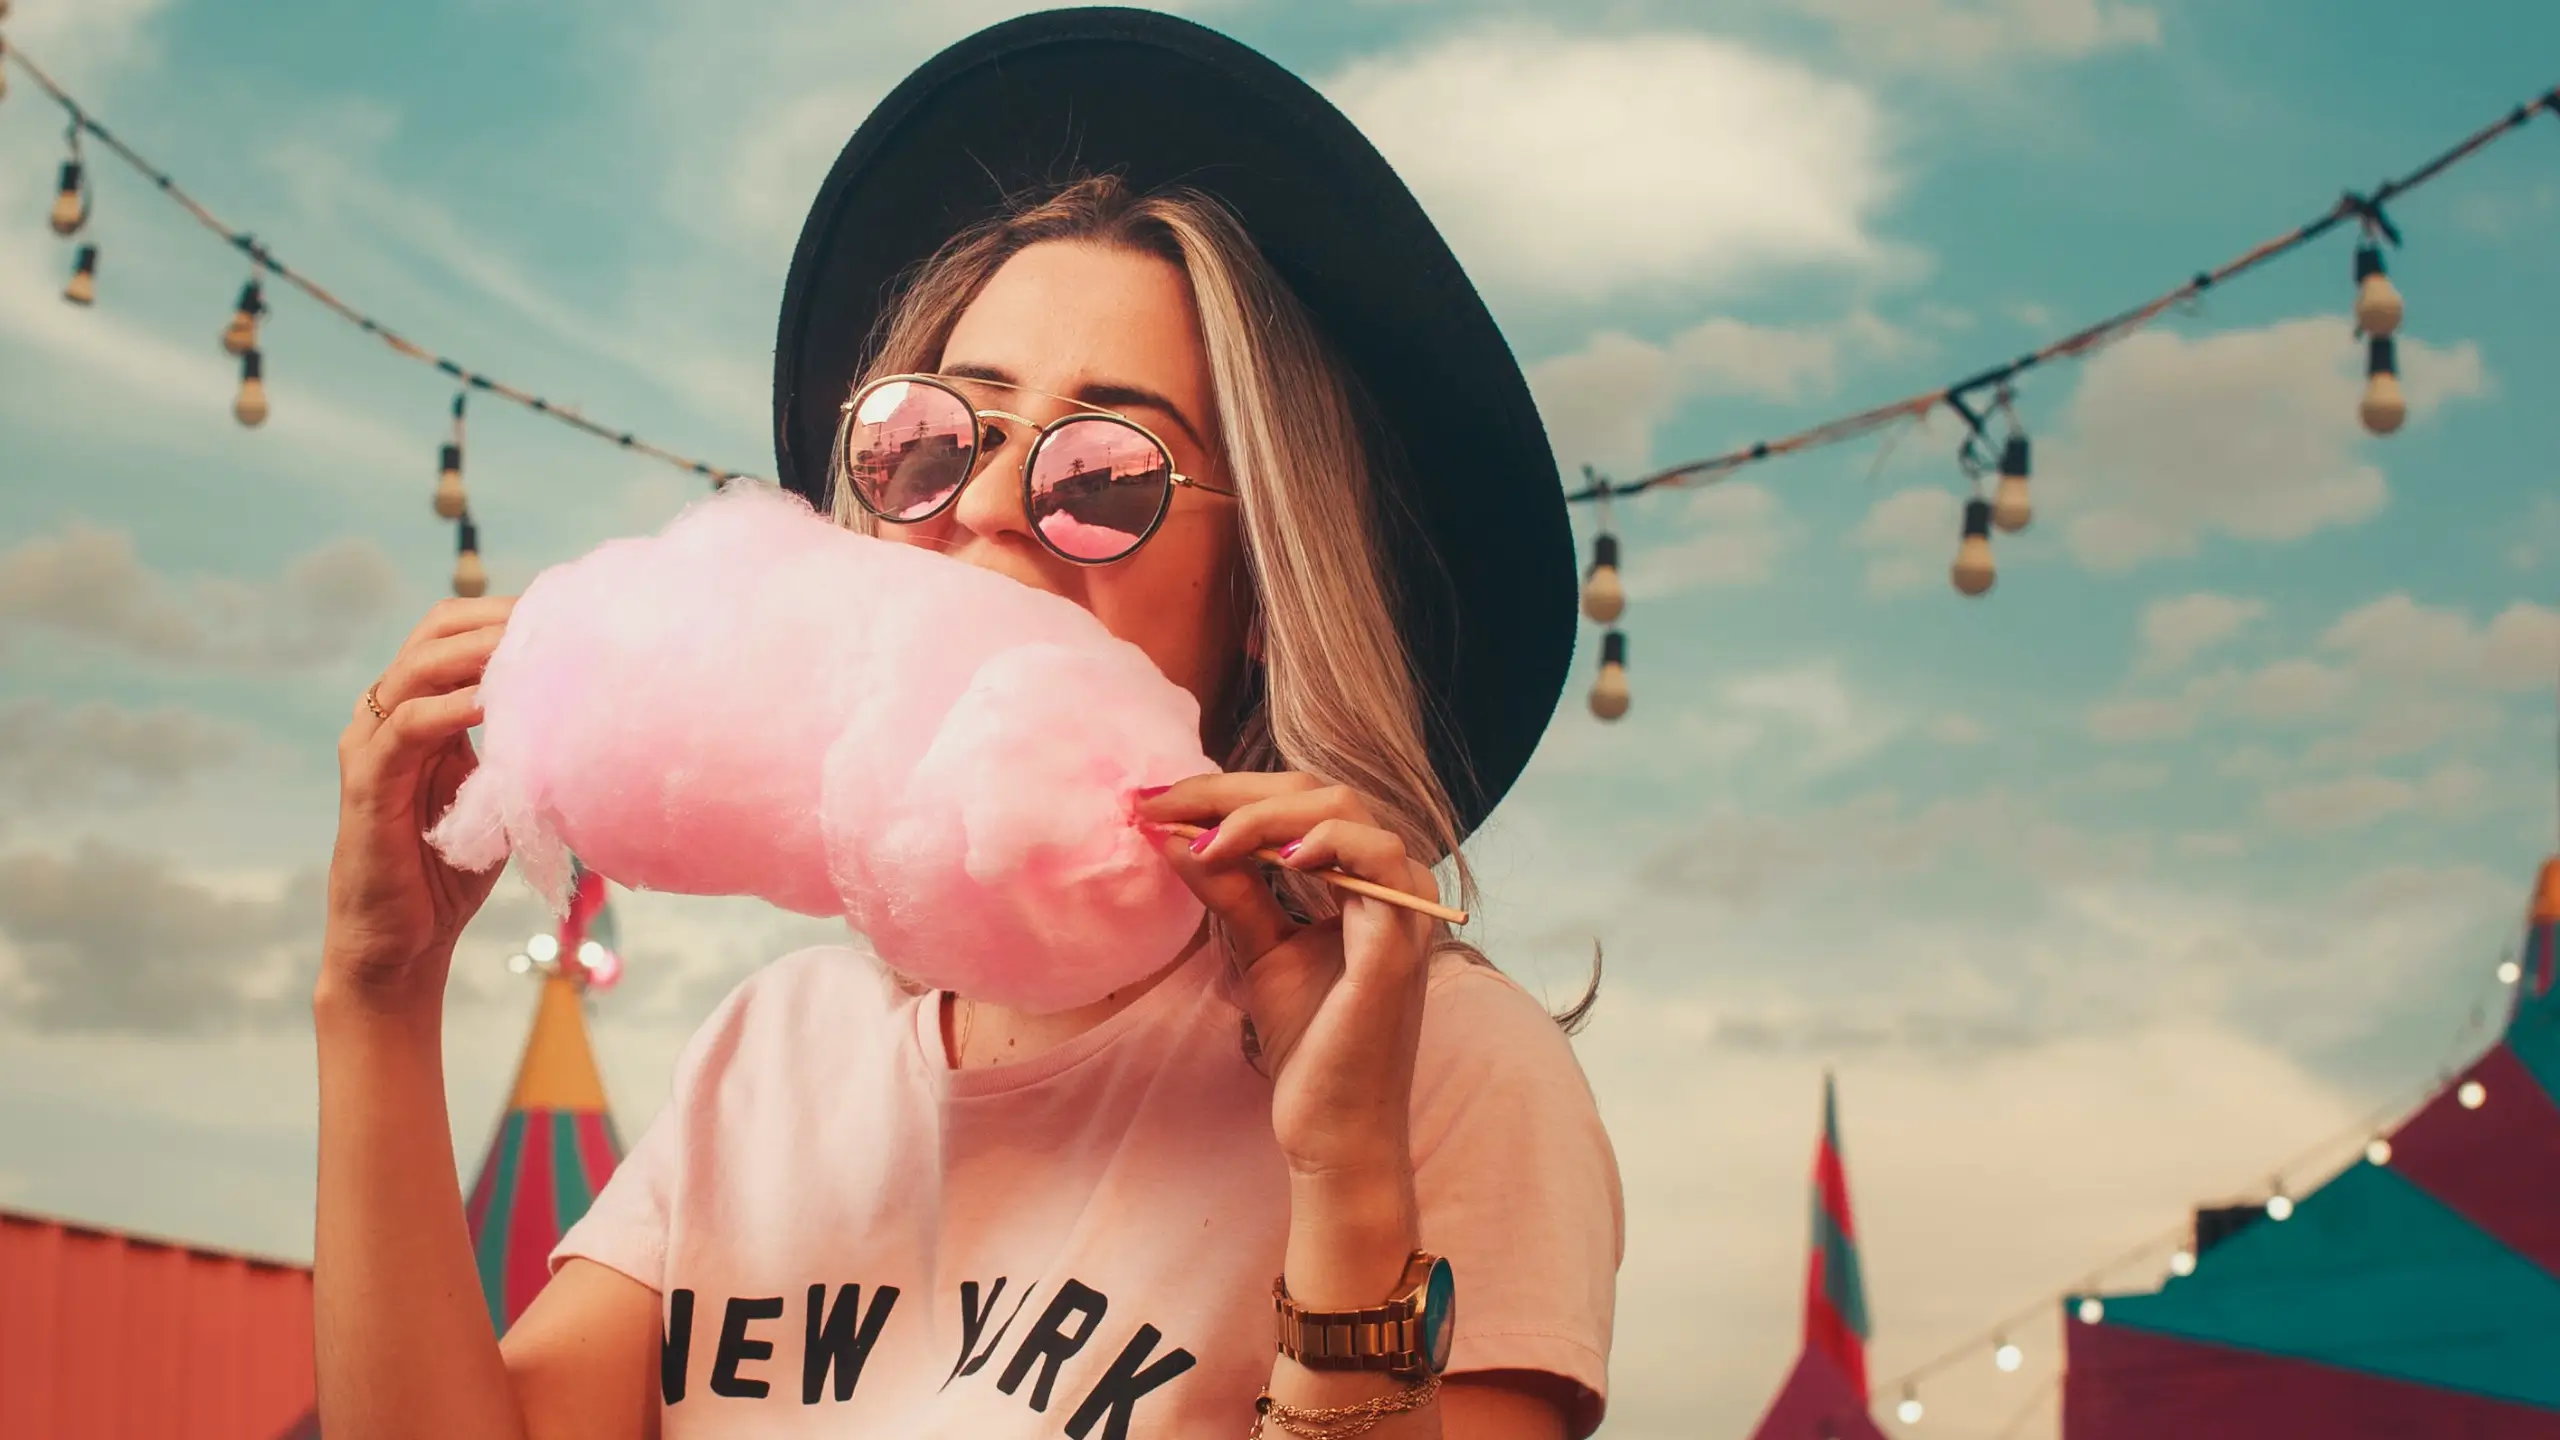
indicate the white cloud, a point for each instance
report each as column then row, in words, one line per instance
column 1603, row 402
column 2175, row 631
column 52, row 753
column 1734, row 534
column 81, row 40
column 1909, row 538
column 88, row 584
column 1969, row 34
column 2250, row 434
column 2352, row 802
column 2290, row 690
column 1572, row 164
column 1954, row 729
column 2159, row 717
column 2396, row 638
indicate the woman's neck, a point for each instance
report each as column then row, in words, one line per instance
column 977, row 1034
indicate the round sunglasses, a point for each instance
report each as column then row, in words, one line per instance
column 1095, row 485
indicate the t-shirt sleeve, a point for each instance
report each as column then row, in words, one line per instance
column 1518, row 1185
column 626, row 1229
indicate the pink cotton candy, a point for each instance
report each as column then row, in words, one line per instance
column 760, row 702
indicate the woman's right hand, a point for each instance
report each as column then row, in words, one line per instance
column 395, row 906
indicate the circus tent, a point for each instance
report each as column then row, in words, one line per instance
column 1825, row 1395
column 556, row 1143
column 2415, row 1293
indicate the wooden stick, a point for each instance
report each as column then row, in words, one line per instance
column 1340, row 881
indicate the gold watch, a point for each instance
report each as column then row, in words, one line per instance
column 1409, row 1335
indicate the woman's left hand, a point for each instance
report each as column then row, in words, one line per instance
column 1336, row 1005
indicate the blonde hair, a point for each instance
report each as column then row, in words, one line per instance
column 1333, row 694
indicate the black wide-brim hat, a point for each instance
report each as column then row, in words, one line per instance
column 1481, row 549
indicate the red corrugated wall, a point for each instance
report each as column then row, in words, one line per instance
column 105, row 1336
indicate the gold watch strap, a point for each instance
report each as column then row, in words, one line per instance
column 1379, row 1337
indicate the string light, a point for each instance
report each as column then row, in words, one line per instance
column 2509, row 972
column 250, row 407
column 1910, row 1410
column 520, row 963
column 241, row 335
column 2377, row 1151
column 2182, row 1262
column 451, row 502
column 2011, row 509
column 1974, row 571
column 2385, row 404
column 2473, row 1095
column 83, row 289
column 470, row 577
column 543, row 948
column 2008, row 1356
column 1609, row 697
column 2092, row 1310
column 2279, row 1207
column 71, row 196
column 1604, row 595
column 2378, row 306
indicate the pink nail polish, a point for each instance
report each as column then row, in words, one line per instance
column 1200, row 842
column 1290, row 849
column 1149, row 792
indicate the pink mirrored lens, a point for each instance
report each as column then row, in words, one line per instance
column 1097, row 487
column 908, row 446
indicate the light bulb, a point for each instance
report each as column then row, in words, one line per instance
column 520, row 963
column 2378, row 305
column 2011, row 508
column 241, row 335
column 605, row 969
column 83, row 289
column 251, row 406
column 2008, row 1357
column 70, row 201
column 1974, row 571
column 2385, row 404
column 2509, row 972
column 2182, row 1262
column 2279, row 1206
column 2377, row 1151
column 1910, row 1409
column 2473, row 1094
column 470, row 577
column 544, row 948
column 2092, row 1310
column 451, row 501
column 589, row 952
column 1604, row 595
column 1609, row 697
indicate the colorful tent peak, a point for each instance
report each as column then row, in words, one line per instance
column 556, row 1145
column 1825, row 1395
column 2413, row 1293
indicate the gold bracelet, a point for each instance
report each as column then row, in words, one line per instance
column 1341, row 1422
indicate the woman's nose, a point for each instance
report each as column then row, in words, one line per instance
column 990, row 505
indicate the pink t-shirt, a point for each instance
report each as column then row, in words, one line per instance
column 853, row 1239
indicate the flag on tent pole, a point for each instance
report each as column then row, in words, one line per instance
column 1835, row 1294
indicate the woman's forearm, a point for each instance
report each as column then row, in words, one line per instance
column 405, row 1347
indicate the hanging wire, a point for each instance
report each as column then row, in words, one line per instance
column 2364, row 209
column 265, row 258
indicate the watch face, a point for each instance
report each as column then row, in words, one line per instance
column 1439, row 1315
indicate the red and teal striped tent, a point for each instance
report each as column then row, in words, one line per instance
column 1825, row 1397
column 2415, row 1294
column 556, row 1144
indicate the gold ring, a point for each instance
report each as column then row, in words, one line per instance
column 374, row 705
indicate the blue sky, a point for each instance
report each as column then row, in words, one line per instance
column 2105, row 894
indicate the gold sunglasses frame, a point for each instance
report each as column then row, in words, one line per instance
column 979, row 452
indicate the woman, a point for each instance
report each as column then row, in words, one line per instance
column 1327, row 511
